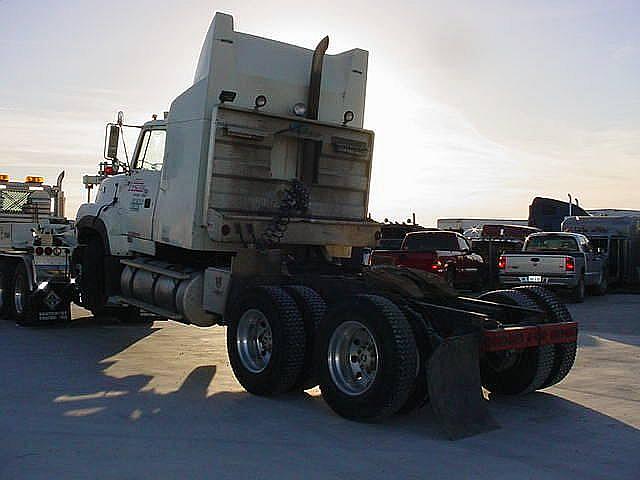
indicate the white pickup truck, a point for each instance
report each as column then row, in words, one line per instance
column 556, row 260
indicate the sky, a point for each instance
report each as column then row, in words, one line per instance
column 477, row 106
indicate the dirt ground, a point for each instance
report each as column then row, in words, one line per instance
column 104, row 400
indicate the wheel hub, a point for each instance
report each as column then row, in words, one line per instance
column 353, row 358
column 254, row 341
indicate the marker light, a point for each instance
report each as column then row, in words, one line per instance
column 299, row 109
column 4, row 177
column 227, row 96
column 34, row 179
column 347, row 117
column 502, row 262
column 260, row 101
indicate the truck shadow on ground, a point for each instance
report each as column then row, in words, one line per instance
column 85, row 400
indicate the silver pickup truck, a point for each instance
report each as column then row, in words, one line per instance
column 556, row 260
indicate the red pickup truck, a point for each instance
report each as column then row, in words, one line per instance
column 444, row 253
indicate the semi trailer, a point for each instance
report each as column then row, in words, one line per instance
column 241, row 207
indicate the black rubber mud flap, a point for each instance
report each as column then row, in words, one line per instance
column 455, row 389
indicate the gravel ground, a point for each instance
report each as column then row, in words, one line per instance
column 100, row 400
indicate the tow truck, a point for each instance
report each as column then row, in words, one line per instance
column 241, row 207
column 36, row 246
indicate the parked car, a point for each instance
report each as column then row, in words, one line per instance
column 556, row 260
column 447, row 254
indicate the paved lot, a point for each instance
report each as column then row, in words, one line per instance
column 98, row 400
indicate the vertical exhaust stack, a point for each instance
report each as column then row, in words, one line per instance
column 59, row 200
column 315, row 81
column 310, row 148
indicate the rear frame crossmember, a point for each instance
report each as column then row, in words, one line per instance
column 515, row 338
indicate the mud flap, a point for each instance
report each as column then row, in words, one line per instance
column 455, row 389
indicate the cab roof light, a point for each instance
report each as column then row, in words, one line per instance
column 34, row 179
column 4, row 177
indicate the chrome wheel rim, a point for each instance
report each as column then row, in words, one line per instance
column 353, row 358
column 254, row 341
column 19, row 294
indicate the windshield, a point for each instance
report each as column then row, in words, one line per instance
column 431, row 241
column 151, row 154
column 551, row 243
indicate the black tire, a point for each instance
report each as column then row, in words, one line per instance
column 313, row 308
column 20, row 306
column 396, row 362
column 579, row 291
column 419, row 395
column 92, row 279
column 520, row 371
column 565, row 353
column 287, row 352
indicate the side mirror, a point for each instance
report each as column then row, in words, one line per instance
column 112, row 145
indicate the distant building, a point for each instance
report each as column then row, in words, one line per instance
column 463, row 224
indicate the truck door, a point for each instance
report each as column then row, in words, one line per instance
column 142, row 189
column 593, row 263
column 467, row 262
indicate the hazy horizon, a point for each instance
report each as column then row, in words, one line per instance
column 477, row 107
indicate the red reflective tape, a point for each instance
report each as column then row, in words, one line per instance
column 515, row 338
column 558, row 333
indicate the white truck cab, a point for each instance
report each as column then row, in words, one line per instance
column 265, row 127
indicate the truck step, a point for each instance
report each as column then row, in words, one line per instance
column 149, row 267
column 148, row 307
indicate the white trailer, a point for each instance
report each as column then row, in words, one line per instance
column 36, row 246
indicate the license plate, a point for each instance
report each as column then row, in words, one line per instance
column 535, row 278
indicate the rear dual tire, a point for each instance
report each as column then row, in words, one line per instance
column 20, row 305
column 266, row 341
column 557, row 312
column 312, row 308
column 516, row 372
column 370, row 360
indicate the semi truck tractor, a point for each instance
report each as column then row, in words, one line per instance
column 36, row 246
column 241, row 208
